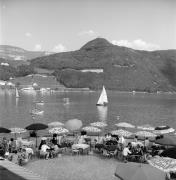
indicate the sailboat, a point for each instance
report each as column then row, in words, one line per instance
column 17, row 94
column 103, row 100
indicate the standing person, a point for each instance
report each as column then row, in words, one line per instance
column 122, row 140
column 54, row 139
column 146, row 144
column 125, row 153
column 12, row 145
column 5, row 144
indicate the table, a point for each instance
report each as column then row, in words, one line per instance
column 80, row 146
column 83, row 147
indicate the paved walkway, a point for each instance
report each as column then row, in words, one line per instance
column 11, row 171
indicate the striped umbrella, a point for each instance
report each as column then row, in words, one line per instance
column 91, row 129
column 146, row 127
column 145, row 134
column 125, row 125
column 98, row 124
column 17, row 130
column 163, row 130
column 58, row 130
column 121, row 132
column 55, row 124
column 163, row 163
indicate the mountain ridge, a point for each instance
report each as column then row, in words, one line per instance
column 9, row 52
column 124, row 69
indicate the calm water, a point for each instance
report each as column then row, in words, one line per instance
column 138, row 109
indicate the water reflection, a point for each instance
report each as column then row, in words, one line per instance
column 102, row 113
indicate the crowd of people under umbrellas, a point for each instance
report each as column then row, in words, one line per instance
column 108, row 145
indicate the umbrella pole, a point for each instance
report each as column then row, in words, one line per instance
column 36, row 142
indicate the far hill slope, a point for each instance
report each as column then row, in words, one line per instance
column 125, row 69
column 16, row 53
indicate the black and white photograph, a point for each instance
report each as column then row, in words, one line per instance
column 87, row 89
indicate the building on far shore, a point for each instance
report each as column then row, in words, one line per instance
column 92, row 70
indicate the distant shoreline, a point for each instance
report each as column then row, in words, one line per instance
column 55, row 89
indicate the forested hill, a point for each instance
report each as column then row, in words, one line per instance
column 124, row 69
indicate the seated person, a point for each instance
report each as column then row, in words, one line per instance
column 14, row 157
column 44, row 150
column 54, row 150
column 29, row 151
column 108, row 137
column 125, row 153
column 81, row 140
column 41, row 143
column 12, row 145
column 2, row 151
column 23, row 157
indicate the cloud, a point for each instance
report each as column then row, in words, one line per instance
column 59, row 48
column 88, row 33
column 38, row 47
column 137, row 44
column 28, row 34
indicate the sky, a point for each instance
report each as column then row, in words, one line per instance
column 66, row 25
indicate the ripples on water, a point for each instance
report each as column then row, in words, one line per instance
column 138, row 109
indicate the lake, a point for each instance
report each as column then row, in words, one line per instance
column 138, row 109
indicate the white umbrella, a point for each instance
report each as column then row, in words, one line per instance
column 145, row 134
column 91, row 129
column 146, row 127
column 163, row 163
column 125, row 125
column 98, row 124
column 58, row 130
column 17, row 130
column 121, row 132
column 55, row 124
column 73, row 124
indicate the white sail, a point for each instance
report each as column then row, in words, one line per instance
column 17, row 94
column 103, row 100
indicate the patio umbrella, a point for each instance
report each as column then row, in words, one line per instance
column 55, row 124
column 171, row 152
column 125, row 125
column 121, row 132
column 163, row 130
column 4, row 130
column 35, row 127
column 17, row 130
column 145, row 134
column 136, row 171
column 91, row 129
column 163, row 163
column 58, row 130
column 73, row 124
column 98, row 124
column 146, row 127
column 166, row 140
